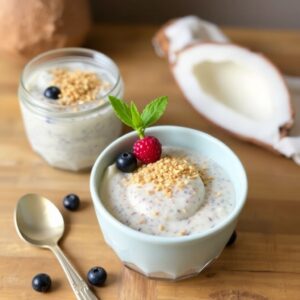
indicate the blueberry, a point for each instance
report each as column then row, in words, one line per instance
column 71, row 202
column 126, row 162
column 52, row 92
column 232, row 239
column 41, row 282
column 97, row 276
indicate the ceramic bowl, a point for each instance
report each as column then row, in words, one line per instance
column 169, row 257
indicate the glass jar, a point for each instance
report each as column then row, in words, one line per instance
column 65, row 137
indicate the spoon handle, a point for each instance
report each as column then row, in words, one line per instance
column 80, row 288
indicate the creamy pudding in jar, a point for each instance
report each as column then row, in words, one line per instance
column 181, row 194
column 64, row 101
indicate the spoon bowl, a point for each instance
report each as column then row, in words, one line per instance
column 38, row 221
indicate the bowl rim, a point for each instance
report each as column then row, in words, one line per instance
column 99, row 207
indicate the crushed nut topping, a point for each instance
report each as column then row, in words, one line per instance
column 218, row 194
column 77, row 87
column 167, row 173
column 161, row 227
column 183, row 232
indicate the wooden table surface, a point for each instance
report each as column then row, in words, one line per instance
column 263, row 264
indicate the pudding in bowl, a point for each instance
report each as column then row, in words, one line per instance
column 181, row 194
column 170, row 231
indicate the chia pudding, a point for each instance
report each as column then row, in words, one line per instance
column 181, row 194
column 69, row 132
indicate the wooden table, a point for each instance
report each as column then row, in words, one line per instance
column 263, row 264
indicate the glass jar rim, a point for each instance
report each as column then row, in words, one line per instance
column 68, row 52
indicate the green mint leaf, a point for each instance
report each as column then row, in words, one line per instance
column 130, row 115
column 137, row 120
column 154, row 110
column 122, row 110
column 135, row 115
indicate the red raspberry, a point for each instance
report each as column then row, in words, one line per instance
column 147, row 150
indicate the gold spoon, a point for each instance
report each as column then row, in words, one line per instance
column 40, row 223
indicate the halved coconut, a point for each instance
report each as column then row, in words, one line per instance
column 235, row 88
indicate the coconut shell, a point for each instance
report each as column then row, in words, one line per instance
column 160, row 41
column 30, row 27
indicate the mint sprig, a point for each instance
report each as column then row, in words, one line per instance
column 130, row 115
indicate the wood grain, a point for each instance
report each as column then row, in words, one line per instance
column 263, row 264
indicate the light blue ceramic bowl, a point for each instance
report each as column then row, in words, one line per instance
column 169, row 257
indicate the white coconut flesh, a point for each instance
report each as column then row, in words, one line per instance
column 235, row 88
column 190, row 29
column 290, row 145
